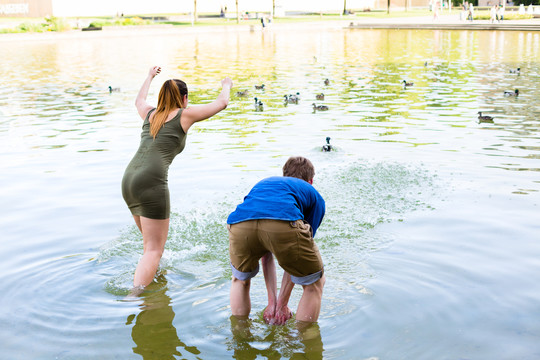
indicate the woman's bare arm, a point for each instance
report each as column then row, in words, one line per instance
column 140, row 102
column 196, row 113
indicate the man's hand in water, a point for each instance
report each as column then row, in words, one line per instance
column 282, row 315
column 269, row 314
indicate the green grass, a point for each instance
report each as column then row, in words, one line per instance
column 60, row 24
column 486, row 15
column 125, row 21
column 41, row 25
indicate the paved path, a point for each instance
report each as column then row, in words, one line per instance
column 445, row 22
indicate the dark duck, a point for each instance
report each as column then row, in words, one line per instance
column 327, row 146
column 514, row 93
column 258, row 105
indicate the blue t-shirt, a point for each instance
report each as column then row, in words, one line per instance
column 281, row 198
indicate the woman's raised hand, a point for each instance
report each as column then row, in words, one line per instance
column 154, row 70
column 227, row 82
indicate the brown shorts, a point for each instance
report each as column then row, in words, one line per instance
column 291, row 242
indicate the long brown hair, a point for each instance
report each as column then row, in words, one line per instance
column 171, row 96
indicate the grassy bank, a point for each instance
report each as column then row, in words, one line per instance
column 36, row 25
column 19, row 25
column 486, row 15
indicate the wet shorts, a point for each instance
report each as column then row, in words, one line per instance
column 291, row 243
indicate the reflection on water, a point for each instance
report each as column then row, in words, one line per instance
column 429, row 212
column 153, row 331
column 252, row 339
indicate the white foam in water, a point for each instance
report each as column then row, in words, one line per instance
column 358, row 196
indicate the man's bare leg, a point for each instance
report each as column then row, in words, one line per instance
column 239, row 297
column 309, row 306
column 270, row 279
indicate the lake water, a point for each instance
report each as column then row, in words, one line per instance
column 431, row 240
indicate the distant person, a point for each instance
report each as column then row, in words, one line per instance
column 436, row 11
column 500, row 13
column 463, row 12
column 279, row 216
column 144, row 185
column 471, row 12
column 493, row 14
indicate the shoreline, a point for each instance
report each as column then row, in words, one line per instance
column 445, row 22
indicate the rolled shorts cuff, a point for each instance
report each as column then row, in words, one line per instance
column 308, row 279
column 244, row 275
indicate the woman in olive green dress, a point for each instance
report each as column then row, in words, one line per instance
column 144, row 185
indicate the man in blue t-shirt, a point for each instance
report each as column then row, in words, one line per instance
column 279, row 216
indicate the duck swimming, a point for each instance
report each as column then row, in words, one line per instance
column 327, row 146
column 319, row 107
column 405, row 83
column 514, row 93
column 319, row 96
column 326, row 82
column 111, row 89
column 516, row 71
column 242, row 93
column 259, row 87
column 258, row 105
column 292, row 99
column 484, row 118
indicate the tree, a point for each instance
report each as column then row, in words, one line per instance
column 195, row 10
column 237, row 13
column 388, row 9
column 344, row 7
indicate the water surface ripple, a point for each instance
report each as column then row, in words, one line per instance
column 430, row 240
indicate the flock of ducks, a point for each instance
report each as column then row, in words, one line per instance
column 481, row 118
column 295, row 98
column 489, row 119
column 287, row 99
column 291, row 99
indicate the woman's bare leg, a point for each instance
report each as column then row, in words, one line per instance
column 137, row 219
column 154, row 237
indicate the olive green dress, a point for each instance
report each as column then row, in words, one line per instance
column 145, row 185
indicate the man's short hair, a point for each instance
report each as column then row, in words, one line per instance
column 299, row 167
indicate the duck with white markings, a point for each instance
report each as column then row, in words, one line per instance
column 516, row 71
column 292, row 99
column 258, row 105
column 111, row 89
column 327, row 146
column 407, row 84
column 514, row 93
column 319, row 96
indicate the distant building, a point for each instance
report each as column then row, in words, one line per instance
column 482, row 3
column 82, row 8
column 25, row 8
